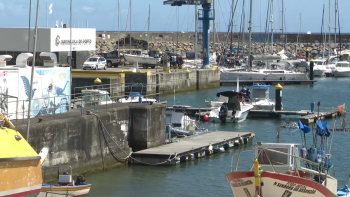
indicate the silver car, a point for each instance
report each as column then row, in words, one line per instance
column 95, row 63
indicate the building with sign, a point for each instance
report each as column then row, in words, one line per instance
column 14, row 41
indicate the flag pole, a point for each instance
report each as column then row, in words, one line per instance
column 30, row 14
column 46, row 16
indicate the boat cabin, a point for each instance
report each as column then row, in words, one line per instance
column 342, row 64
column 277, row 156
column 260, row 92
column 320, row 62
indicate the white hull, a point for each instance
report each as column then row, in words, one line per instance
column 262, row 76
column 141, row 59
column 319, row 73
column 66, row 191
column 264, row 105
column 239, row 116
column 276, row 185
column 341, row 73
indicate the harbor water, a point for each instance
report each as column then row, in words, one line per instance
column 206, row 176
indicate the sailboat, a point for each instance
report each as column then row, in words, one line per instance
column 287, row 169
column 143, row 59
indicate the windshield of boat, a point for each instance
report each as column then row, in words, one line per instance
column 92, row 59
column 334, row 60
column 275, row 157
column 342, row 65
column 319, row 62
column 95, row 97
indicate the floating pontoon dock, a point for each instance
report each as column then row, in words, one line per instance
column 190, row 148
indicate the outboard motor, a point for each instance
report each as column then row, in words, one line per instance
column 80, row 180
column 223, row 113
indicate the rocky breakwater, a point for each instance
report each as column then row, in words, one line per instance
column 290, row 49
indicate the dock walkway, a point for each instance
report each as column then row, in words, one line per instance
column 171, row 154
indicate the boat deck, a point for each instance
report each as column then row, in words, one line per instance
column 171, row 154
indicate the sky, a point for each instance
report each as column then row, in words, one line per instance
column 103, row 15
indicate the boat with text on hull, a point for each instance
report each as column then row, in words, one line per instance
column 279, row 169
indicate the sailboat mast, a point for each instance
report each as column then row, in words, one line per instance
column 250, row 35
column 196, row 33
column 214, row 33
column 33, row 64
column 335, row 22
column 298, row 46
column 271, row 26
column 283, row 24
column 323, row 43
column 149, row 20
column 118, row 28
column 329, row 29
column 243, row 28
column 130, row 27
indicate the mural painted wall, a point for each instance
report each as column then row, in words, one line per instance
column 51, row 89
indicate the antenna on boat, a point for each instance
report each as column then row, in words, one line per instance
column 237, row 83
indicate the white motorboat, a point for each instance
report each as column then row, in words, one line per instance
column 261, row 97
column 233, row 111
column 95, row 97
column 136, row 97
column 181, row 124
column 342, row 69
column 216, row 103
column 320, row 67
column 142, row 59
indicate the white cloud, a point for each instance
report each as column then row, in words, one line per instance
column 88, row 9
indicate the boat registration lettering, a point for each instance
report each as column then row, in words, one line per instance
column 240, row 183
column 295, row 187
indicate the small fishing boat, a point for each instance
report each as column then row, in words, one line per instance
column 20, row 165
column 181, row 124
column 279, row 169
column 342, row 69
column 142, row 59
column 136, row 97
column 66, row 187
column 235, row 110
column 261, row 97
column 216, row 103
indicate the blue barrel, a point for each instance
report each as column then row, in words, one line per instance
column 313, row 107
column 319, row 156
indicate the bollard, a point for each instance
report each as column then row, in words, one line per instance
column 307, row 55
column 341, row 57
column 278, row 97
column 311, row 69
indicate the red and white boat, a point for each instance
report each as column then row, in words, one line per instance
column 278, row 173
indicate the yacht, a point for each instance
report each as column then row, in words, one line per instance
column 260, row 97
column 235, row 110
column 342, row 69
column 320, row 67
column 181, row 124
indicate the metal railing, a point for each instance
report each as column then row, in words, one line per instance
column 90, row 100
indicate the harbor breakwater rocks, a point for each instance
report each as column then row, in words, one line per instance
column 76, row 140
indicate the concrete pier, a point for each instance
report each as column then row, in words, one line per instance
column 75, row 140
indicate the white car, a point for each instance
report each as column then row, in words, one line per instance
column 95, row 63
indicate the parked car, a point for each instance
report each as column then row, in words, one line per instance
column 95, row 63
column 112, row 58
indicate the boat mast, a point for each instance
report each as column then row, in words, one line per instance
column 298, row 46
column 323, row 35
column 243, row 28
column 271, row 27
column 329, row 30
column 130, row 26
column 196, row 34
column 335, row 22
column 33, row 64
column 118, row 29
column 149, row 20
column 250, row 35
column 283, row 24
column 214, row 33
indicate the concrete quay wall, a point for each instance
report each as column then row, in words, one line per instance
column 75, row 140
